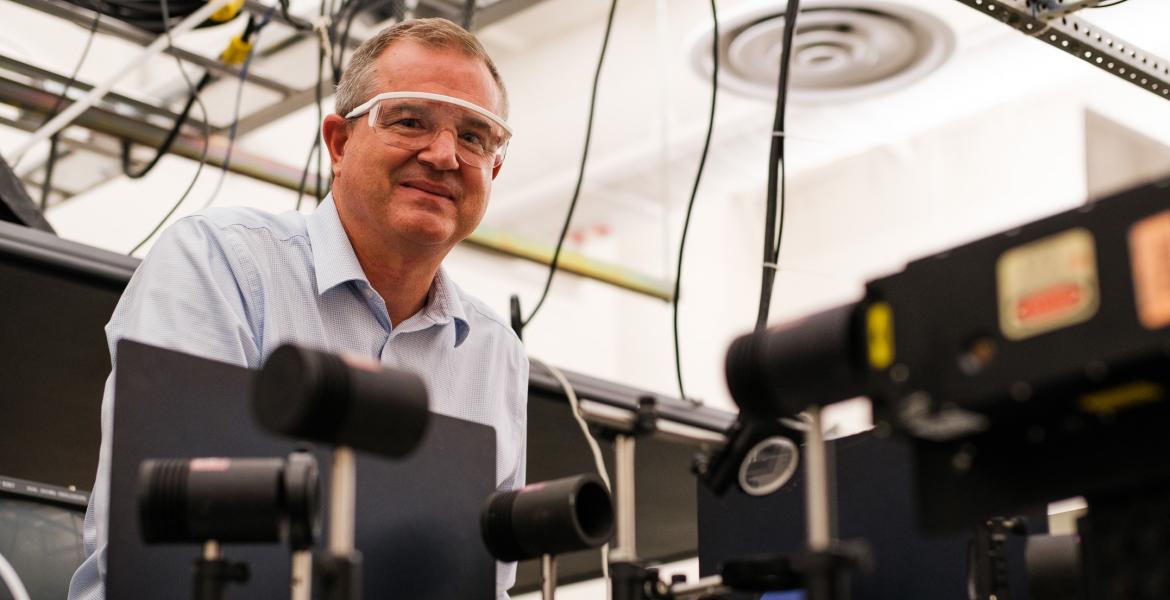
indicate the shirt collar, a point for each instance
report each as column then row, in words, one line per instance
column 333, row 258
column 445, row 306
column 335, row 263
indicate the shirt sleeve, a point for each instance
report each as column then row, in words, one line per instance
column 195, row 292
column 518, row 400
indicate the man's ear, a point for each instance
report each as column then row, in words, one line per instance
column 336, row 131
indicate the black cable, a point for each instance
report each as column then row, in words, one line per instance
column 47, row 183
column 552, row 268
column 343, row 38
column 172, row 135
column 682, row 244
column 349, row 12
column 297, row 23
column 320, row 120
column 315, row 148
column 317, row 92
column 468, row 14
column 97, row 17
column 346, row 12
column 774, row 219
column 206, row 141
column 251, row 35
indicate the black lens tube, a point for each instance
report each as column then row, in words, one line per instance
column 230, row 500
column 551, row 517
column 785, row 369
column 317, row 396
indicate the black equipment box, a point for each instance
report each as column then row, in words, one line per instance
column 1033, row 365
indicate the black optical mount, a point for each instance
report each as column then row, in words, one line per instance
column 987, row 571
column 213, row 574
column 823, row 575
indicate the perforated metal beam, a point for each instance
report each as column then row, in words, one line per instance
column 1084, row 40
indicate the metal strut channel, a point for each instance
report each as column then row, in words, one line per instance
column 1083, row 40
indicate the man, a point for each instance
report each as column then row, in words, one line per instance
column 417, row 139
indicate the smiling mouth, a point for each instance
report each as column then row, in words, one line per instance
column 432, row 191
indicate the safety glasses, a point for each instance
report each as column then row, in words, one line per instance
column 412, row 121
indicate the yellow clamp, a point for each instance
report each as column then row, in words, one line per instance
column 236, row 52
column 227, row 12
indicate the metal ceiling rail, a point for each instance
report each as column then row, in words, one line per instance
column 101, row 120
column 16, row 66
column 190, row 146
column 108, row 25
column 60, row 120
column 1083, row 40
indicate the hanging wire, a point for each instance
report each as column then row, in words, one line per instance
column 227, row 159
column 774, row 217
column 552, row 267
column 47, row 183
column 682, row 243
column 206, row 136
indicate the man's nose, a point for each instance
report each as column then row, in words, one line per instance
column 440, row 153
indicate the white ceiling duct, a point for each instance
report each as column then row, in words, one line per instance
column 842, row 50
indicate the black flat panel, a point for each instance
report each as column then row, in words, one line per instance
column 417, row 518
column 55, row 298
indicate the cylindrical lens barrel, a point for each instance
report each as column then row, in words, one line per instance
column 230, row 500
column 312, row 395
column 781, row 371
column 552, row 517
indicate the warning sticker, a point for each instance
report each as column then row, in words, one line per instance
column 1149, row 248
column 1048, row 284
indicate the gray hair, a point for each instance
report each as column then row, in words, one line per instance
column 356, row 82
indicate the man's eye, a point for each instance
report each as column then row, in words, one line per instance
column 471, row 138
column 407, row 123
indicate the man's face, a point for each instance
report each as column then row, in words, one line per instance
column 417, row 201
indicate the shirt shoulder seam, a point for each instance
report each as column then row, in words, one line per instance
column 233, row 225
column 493, row 319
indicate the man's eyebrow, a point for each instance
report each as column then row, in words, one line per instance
column 473, row 120
column 400, row 107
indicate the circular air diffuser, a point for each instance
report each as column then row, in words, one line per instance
column 842, row 49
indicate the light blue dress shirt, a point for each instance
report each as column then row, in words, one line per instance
column 234, row 284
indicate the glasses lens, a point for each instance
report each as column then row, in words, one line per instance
column 413, row 124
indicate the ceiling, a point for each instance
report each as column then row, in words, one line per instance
column 653, row 102
column 650, row 115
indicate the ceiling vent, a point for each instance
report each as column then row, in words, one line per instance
column 841, row 50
